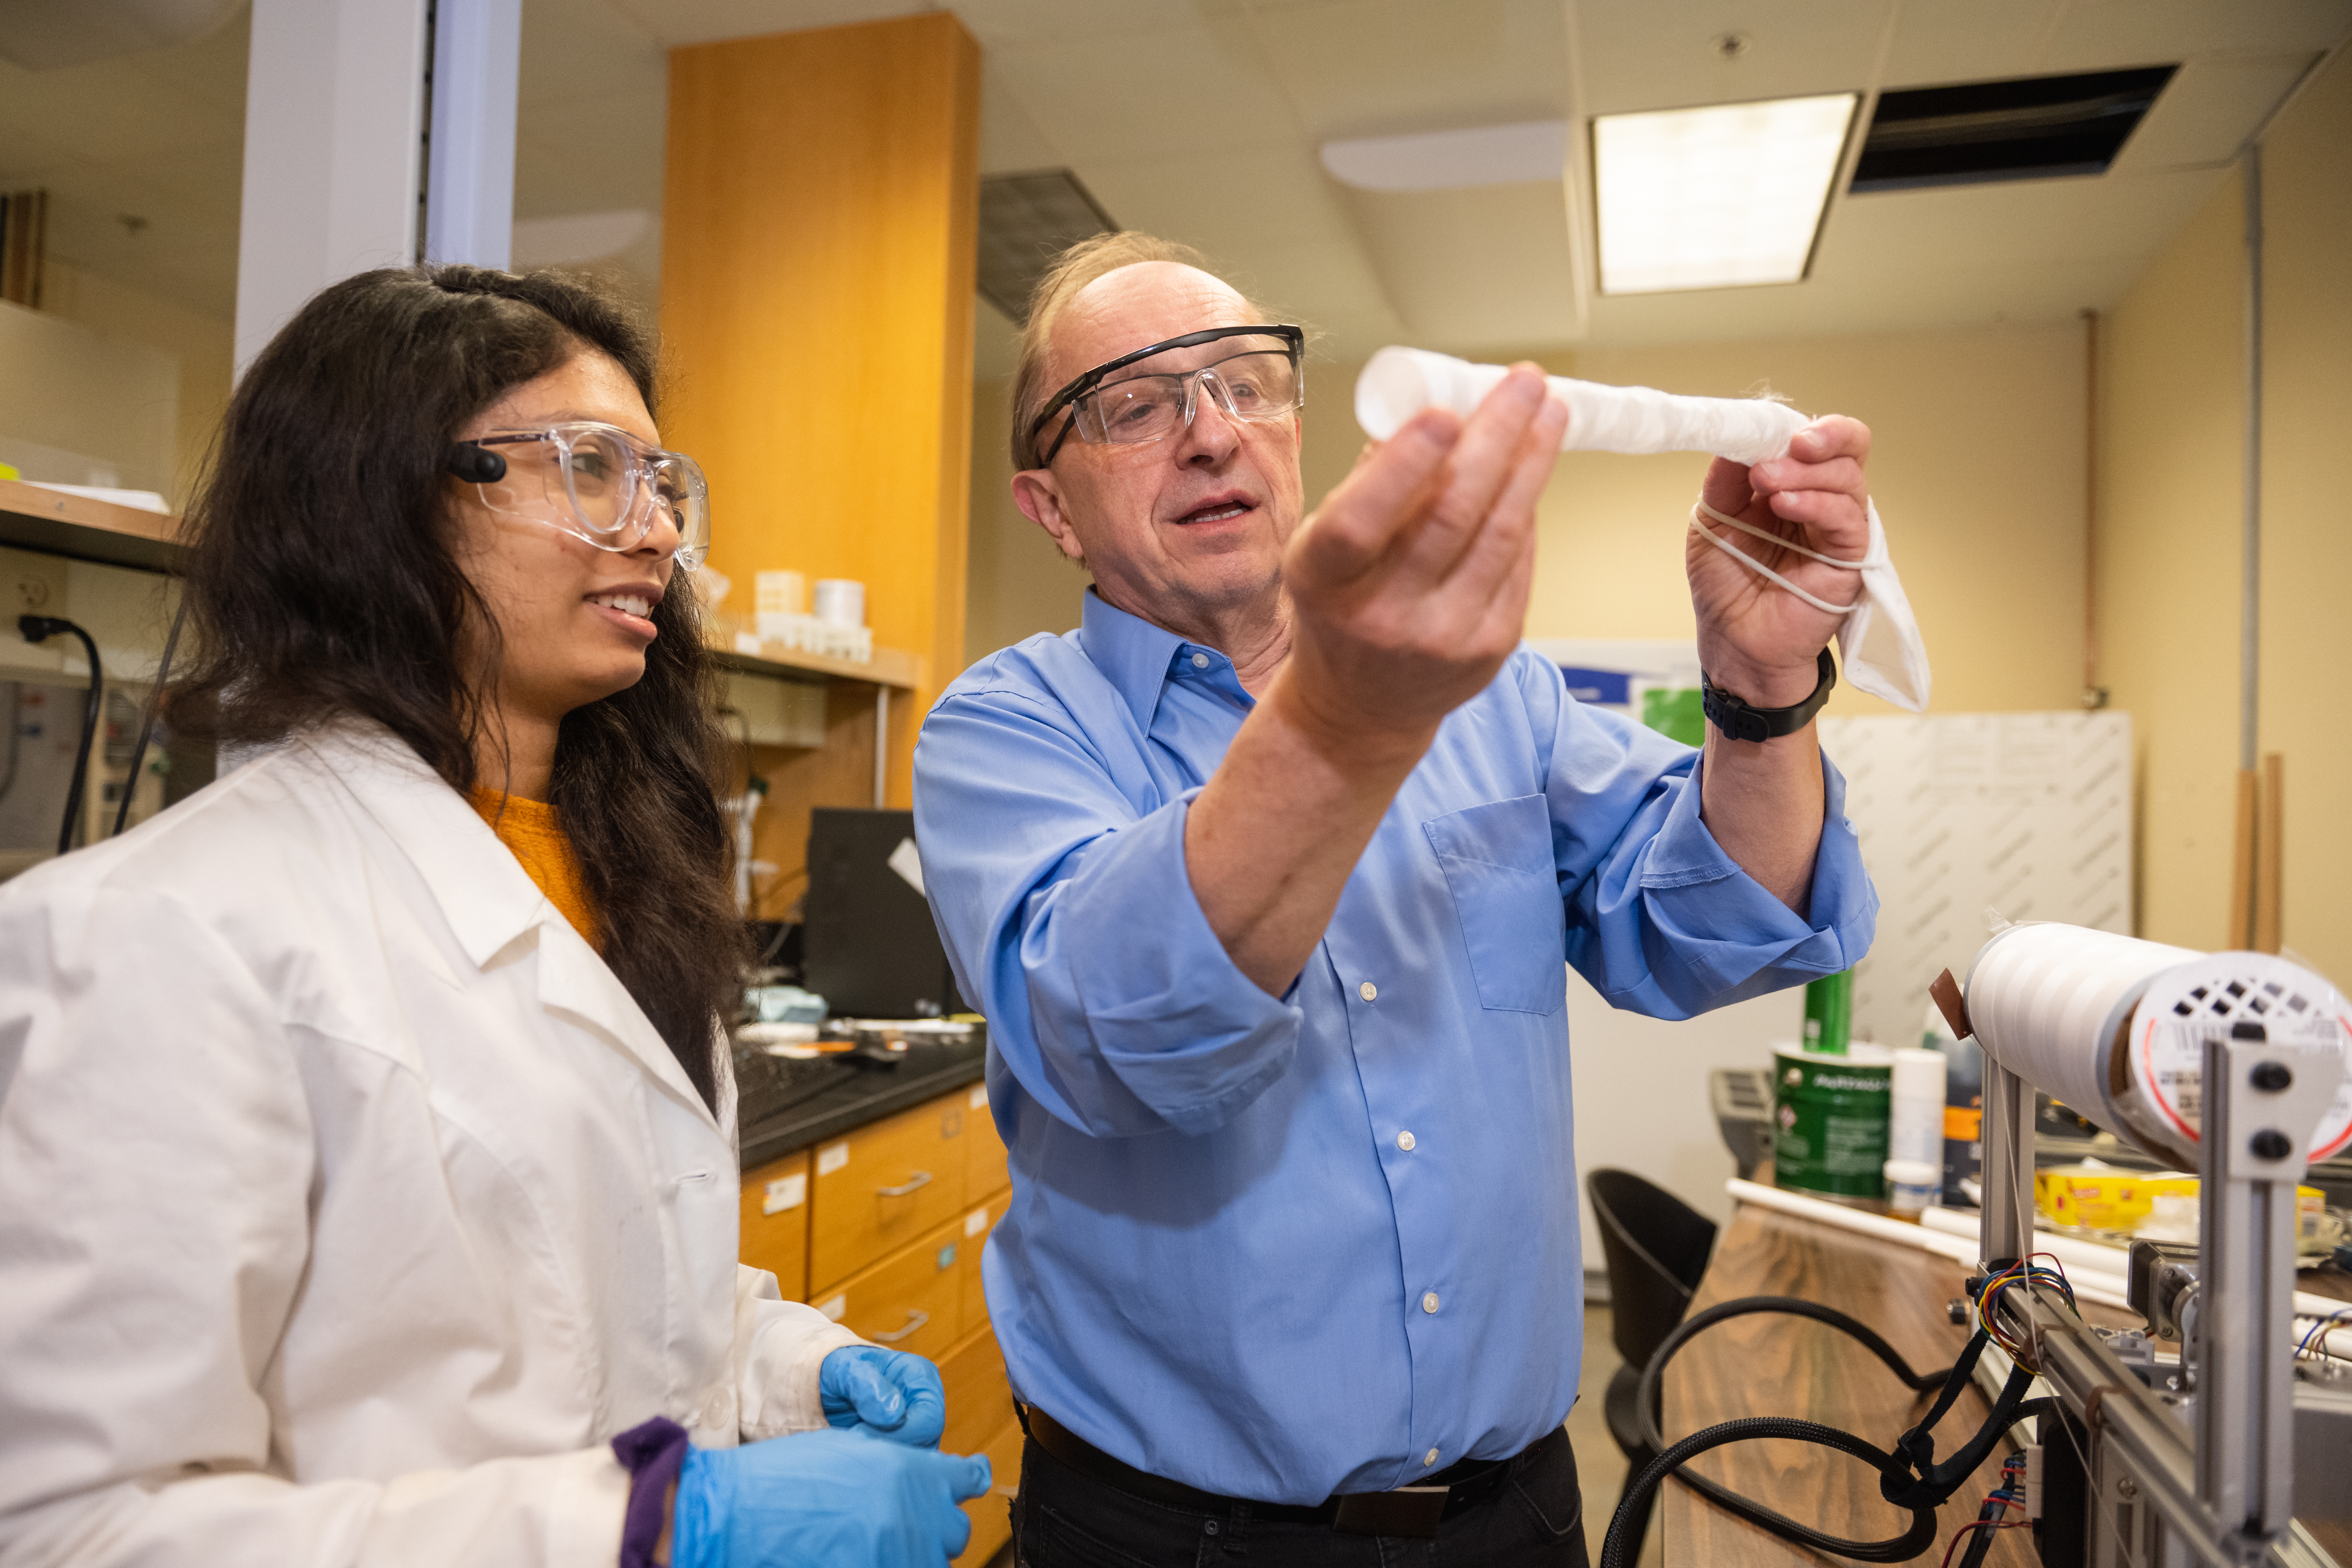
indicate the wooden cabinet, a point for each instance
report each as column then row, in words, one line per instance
column 882, row 1230
column 775, row 1222
column 882, row 1186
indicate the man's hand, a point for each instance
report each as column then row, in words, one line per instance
column 1756, row 640
column 1409, row 586
column 1408, row 590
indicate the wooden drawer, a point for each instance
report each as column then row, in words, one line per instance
column 776, row 1221
column 984, row 1160
column 979, row 1399
column 992, row 1516
column 882, row 1186
column 912, row 1300
column 977, row 1221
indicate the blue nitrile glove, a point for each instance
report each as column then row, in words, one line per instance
column 888, row 1394
column 823, row 1500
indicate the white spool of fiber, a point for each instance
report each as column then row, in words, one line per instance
column 1398, row 383
column 2116, row 1027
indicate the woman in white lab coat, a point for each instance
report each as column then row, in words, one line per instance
column 367, row 1161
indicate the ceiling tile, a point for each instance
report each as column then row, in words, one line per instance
column 1659, row 56
column 672, row 23
column 1244, row 198
column 1089, row 94
column 2213, row 104
column 1939, row 41
column 1010, row 141
column 2092, row 35
column 1473, row 269
column 1357, row 68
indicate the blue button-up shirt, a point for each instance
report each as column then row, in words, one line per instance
column 1277, row 1247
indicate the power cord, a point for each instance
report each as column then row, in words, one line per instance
column 1909, row 1477
column 40, row 629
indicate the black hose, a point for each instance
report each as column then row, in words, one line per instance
column 147, row 722
column 1909, row 1477
column 40, row 629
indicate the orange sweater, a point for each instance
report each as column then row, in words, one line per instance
column 530, row 829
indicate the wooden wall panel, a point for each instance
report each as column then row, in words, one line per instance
column 818, row 231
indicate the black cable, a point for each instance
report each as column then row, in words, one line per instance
column 40, row 629
column 147, row 722
column 1909, row 1477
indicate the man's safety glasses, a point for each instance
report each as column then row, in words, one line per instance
column 595, row 481
column 1153, row 392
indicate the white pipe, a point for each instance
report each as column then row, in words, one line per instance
column 2097, row 1258
column 2106, row 1290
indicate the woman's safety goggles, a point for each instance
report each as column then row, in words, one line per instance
column 595, row 481
column 1256, row 374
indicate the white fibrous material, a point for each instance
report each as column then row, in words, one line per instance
column 1399, row 383
column 1879, row 638
column 2115, row 1028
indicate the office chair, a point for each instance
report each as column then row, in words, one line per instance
column 1656, row 1247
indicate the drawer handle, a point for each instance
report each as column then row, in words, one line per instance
column 921, row 1179
column 916, row 1319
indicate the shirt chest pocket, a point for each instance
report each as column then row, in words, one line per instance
column 1498, row 866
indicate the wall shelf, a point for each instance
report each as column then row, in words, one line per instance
column 33, row 518
column 891, row 666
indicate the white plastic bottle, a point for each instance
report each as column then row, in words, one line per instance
column 1915, row 1131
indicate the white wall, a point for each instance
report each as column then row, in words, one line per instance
column 75, row 404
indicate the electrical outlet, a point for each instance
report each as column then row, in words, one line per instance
column 36, row 585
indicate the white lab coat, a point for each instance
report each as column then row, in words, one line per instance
column 349, row 1204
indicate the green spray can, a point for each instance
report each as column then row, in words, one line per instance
column 1828, row 1013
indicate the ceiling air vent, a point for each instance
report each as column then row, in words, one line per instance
column 1026, row 220
column 1981, row 132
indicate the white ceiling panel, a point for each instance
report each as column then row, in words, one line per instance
column 2094, row 34
column 1662, row 56
column 1366, row 68
column 2209, row 108
column 1140, row 95
column 1476, row 268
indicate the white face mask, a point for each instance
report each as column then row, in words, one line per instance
column 1879, row 641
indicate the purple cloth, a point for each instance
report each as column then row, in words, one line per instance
column 653, row 1451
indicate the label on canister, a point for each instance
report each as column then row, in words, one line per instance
column 1830, row 1120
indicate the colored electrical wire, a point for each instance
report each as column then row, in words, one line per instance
column 2315, row 1340
column 2023, row 1272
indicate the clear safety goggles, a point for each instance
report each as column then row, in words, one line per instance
column 1258, row 376
column 595, row 481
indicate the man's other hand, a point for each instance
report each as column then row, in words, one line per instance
column 888, row 1394
column 1755, row 640
column 1409, row 586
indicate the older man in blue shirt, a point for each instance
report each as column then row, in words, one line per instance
column 1266, row 877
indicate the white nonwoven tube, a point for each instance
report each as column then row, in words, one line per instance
column 1399, row 383
column 1879, row 638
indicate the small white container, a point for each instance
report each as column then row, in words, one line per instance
column 1911, row 1185
column 841, row 602
column 1914, row 1126
column 781, row 593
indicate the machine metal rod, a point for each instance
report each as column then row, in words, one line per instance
column 2008, row 1164
column 2132, row 1432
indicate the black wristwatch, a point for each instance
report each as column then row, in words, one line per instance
column 1738, row 721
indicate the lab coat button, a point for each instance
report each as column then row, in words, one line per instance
column 1368, row 991
column 1405, row 1141
column 1429, row 1302
column 717, row 1411
column 1199, row 661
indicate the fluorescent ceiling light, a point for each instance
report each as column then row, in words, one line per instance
column 1714, row 198
column 1451, row 160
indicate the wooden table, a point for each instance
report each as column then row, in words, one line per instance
column 1771, row 1364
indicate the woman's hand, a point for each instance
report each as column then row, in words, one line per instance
column 823, row 1500
column 888, row 1394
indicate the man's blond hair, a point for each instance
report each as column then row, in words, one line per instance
column 1072, row 271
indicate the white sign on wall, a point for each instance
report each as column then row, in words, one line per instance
column 2027, row 814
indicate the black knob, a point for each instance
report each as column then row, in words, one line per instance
column 1957, row 1308
column 2271, row 1145
column 2271, row 1076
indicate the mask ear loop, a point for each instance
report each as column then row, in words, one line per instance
column 1876, row 558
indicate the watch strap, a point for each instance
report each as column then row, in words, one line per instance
column 1738, row 721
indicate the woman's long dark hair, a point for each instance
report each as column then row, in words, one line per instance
column 324, row 581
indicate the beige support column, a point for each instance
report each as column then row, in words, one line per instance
column 818, row 229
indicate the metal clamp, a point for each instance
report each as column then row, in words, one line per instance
column 921, row 1179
